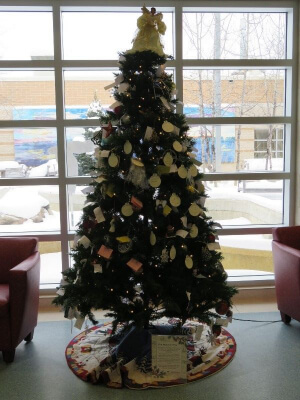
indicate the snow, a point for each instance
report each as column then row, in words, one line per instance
column 46, row 169
column 51, row 267
column 20, row 202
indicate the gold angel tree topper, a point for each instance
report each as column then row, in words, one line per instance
column 150, row 28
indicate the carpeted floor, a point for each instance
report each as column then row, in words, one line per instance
column 266, row 366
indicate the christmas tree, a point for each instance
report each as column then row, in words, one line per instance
column 145, row 247
column 86, row 161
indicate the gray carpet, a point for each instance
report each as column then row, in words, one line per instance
column 266, row 366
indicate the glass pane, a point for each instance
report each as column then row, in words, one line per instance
column 80, row 150
column 51, row 265
column 29, row 209
column 247, row 255
column 92, row 35
column 261, row 134
column 27, row 95
column 234, row 35
column 77, row 197
column 26, row 36
column 245, row 202
column 28, row 152
column 231, row 148
column 233, row 93
column 85, row 95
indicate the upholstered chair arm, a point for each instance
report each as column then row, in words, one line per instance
column 24, row 281
column 289, row 235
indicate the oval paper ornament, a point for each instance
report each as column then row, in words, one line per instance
column 127, row 210
column 182, row 172
column 137, row 162
column 168, row 159
column 113, row 160
column 194, row 210
column 155, row 181
column 127, row 147
column 172, row 252
column 193, row 171
column 167, row 126
column 175, row 200
column 193, row 231
column 188, row 262
column 177, row 146
column 152, row 239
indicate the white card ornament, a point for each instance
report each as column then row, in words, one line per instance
column 188, row 295
column 119, row 79
column 87, row 190
column 113, row 160
column 152, row 239
column 213, row 246
column 176, row 130
column 173, row 252
column 177, row 146
column 194, row 231
column 123, row 87
column 115, row 104
column 99, row 215
column 164, row 256
column 148, row 133
column 104, row 153
column 193, row 171
column 222, row 321
column 127, row 210
column 165, row 103
column 168, row 159
column 189, row 262
column 84, row 241
column 155, row 181
column 167, row 126
column 61, row 292
column 97, row 268
column 194, row 210
column 100, row 179
column 160, row 70
column 127, row 147
column 184, row 221
column 79, row 322
column 182, row 233
column 182, row 172
column 175, row 200
column 112, row 226
column 173, row 168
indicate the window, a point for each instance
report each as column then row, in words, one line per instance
column 235, row 71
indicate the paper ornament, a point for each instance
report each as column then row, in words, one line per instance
column 188, row 262
column 119, row 79
column 127, row 147
column 193, row 171
column 198, row 333
column 104, row 153
column 148, row 133
column 134, row 264
column 213, row 246
column 182, row 233
column 105, row 252
column 79, row 322
column 97, row 268
column 137, row 163
column 113, row 160
column 176, row 130
column 155, row 181
column 107, row 130
column 168, row 159
column 137, row 204
column 112, row 226
column 164, row 256
column 84, row 241
column 111, row 85
column 167, row 126
column 152, row 238
column 127, row 210
column 175, row 200
column 123, row 87
column 173, row 168
column 160, row 70
column 166, row 210
column 110, row 190
column 184, row 221
column 123, row 239
column 194, row 231
column 99, row 215
column 172, row 252
column 100, row 179
column 194, row 210
column 177, row 146
column 182, row 172
column 165, row 103
column 60, row 291
column 188, row 295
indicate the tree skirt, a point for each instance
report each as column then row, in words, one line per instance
column 99, row 357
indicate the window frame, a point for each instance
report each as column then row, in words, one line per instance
column 58, row 65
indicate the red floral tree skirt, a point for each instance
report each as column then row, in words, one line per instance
column 89, row 355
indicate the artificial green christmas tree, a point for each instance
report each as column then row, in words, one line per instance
column 146, row 248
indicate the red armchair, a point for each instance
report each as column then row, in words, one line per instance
column 19, row 292
column 286, row 256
